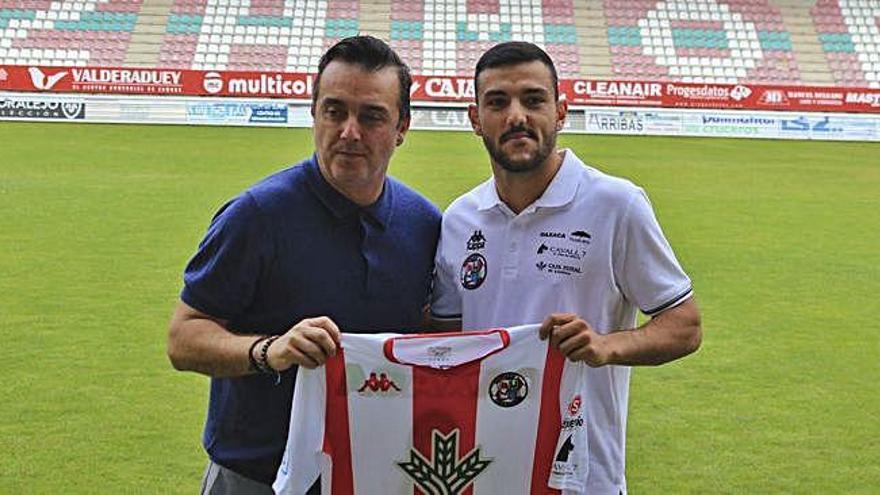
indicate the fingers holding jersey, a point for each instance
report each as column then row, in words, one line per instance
column 554, row 320
column 576, row 339
column 308, row 344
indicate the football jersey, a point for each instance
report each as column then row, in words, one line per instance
column 489, row 412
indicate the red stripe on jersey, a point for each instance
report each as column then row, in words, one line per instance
column 336, row 435
column 445, row 401
column 550, row 423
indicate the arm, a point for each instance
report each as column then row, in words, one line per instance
column 201, row 343
column 670, row 335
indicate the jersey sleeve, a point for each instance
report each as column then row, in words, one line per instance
column 220, row 280
column 303, row 458
column 645, row 268
column 445, row 296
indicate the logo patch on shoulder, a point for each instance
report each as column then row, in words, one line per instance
column 508, row 389
column 473, row 271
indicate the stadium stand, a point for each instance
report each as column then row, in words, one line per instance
column 723, row 41
column 849, row 32
column 70, row 33
column 263, row 35
column 440, row 37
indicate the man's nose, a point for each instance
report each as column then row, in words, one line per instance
column 351, row 129
column 516, row 114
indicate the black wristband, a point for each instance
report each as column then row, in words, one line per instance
column 254, row 365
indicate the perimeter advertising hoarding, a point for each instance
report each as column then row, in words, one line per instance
column 449, row 89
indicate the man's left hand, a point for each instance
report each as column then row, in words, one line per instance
column 576, row 339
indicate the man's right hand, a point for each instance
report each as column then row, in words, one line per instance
column 308, row 344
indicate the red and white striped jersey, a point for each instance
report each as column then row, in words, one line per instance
column 489, row 412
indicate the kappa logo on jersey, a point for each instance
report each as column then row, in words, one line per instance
column 444, row 473
column 477, row 241
column 378, row 384
column 473, row 271
column 508, row 389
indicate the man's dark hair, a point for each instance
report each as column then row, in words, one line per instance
column 372, row 54
column 512, row 53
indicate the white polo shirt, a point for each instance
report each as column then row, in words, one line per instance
column 590, row 245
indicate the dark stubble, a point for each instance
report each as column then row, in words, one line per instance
column 502, row 159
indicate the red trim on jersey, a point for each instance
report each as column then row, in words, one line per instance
column 388, row 346
column 550, row 423
column 446, row 401
column 336, row 434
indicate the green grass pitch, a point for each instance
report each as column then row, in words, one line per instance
column 781, row 238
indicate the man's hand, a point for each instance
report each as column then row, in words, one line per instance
column 308, row 344
column 576, row 339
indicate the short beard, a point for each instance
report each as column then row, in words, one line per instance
column 507, row 164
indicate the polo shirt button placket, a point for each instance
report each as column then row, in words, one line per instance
column 511, row 258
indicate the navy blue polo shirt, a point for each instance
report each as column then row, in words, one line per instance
column 292, row 247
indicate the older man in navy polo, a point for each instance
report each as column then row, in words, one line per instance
column 328, row 245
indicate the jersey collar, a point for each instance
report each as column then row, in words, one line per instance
column 560, row 192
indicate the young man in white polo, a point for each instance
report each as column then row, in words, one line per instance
column 551, row 239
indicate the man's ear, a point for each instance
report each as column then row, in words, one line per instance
column 474, row 116
column 403, row 128
column 561, row 113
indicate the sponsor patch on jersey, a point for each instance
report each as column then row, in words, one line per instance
column 443, row 470
column 581, row 236
column 553, row 235
column 558, row 268
column 508, row 389
column 566, row 253
column 477, row 241
column 574, row 407
column 473, row 271
column 562, row 465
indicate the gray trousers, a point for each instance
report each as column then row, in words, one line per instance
column 219, row 480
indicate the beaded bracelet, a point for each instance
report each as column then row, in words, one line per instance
column 263, row 362
column 254, row 365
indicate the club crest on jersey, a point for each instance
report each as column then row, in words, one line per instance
column 473, row 271
column 508, row 389
column 444, row 472
column 477, row 241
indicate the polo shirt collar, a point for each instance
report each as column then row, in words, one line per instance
column 560, row 192
column 342, row 207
